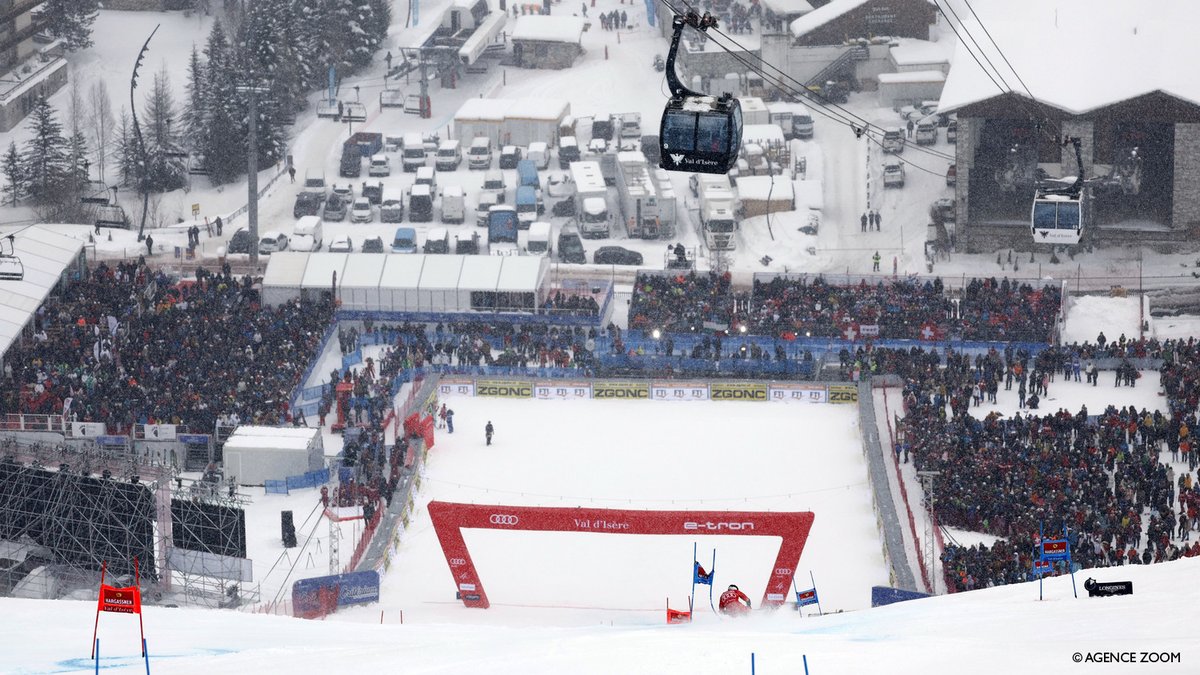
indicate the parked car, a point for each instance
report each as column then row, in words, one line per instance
column 307, row 204
column 616, row 255
column 479, row 156
column 454, row 204
column 558, row 184
column 379, row 166
column 568, row 151
column 893, row 173
column 308, row 234
column 493, row 183
column 373, row 192
column 437, row 240
column 405, row 240
column 945, row 209
column 335, row 209
column 486, row 201
column 449, row 156
column 597, row 146
column 509, row 156
column 272, row 241
column 464, row 245
column 570, row 246
column 539, row 154
column 952, row 176
column 240, row 242
column 373, row 245
column 426, row 175
column 344, row 190
column 361, row 211
column 391, row 211
column 341, row 245
column 420, row 204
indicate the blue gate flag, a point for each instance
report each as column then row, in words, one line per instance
column 702, row 577
column 808, row 597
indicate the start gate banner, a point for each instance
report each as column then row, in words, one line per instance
column 798, row 393
column 562, row 390
column 124, row 600
column 738, row 391
column 456, row 387
column 628, row 390
column 504, row 388
column 843, row 393
column 679, row 391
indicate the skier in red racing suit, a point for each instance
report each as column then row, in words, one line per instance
column 734, row 602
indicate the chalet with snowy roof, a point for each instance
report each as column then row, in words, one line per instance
column 547, row 41
column 1102, row 72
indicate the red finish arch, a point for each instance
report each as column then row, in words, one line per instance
column 450, row 518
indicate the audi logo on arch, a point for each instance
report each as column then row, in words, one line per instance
column 502, row 519
column 783, row 571
column 458, row 562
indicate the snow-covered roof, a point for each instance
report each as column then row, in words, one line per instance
column 548, row 109
column 1079, row 55
column 489, row 109
column 756, row 188
column 522, row 273
column 787, row 7
column 290, row 432
column 363, row 271
column 810, row 193
column 441, row 272
column 762, row 133
column 284, row 439
column 321, row 268
column 913, row 52
column 549, row 29
column 45, row 254
column 912, row 76
column 822, row 15
column 480, row 272
column 285, row 269
column 402, row 271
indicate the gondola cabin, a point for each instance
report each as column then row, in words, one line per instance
column 701, row 134
column 1058, row 219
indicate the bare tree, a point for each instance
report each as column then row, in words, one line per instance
column 103, row 124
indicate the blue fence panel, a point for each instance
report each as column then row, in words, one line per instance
column 884, row 595
column 276, row 487
column 298, row 482
column 352, row 359
column 345, row 474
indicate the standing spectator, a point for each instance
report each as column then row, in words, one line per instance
column 450, row 424
column 910, row 128
column 878, row 221
column 219, row 226
column 864, row 222
column 871, row 219
column 624, row 18
column 488, row 431
column 292, row 173
column 875, row 259
column 149, row 245
column 584, row 8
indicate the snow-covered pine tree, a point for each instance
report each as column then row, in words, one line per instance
column 259, row 39
column 127, row 150
column 165, row 170
column 46, row 156
column 14, row 174
column 194, row 109
column 223, row 143
column 71, row 20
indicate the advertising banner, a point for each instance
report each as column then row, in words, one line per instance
column 738, row 391
column 504, row 388
column 562, row 390
column 679, row 391
column 159, row 432
column 798, row 393
column 611, row 389
column 843, row 393
column 319, row 596
column 124, row 600
column 87, row 429
column 868, row 329
column 456, row 387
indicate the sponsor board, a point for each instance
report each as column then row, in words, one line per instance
column 798, row 393
column 775, row 597
column 562, row 390
column 456, row 387
column 679, row 391
column 466, row 587
column 868, row 329
column 737, row 391
column 504, row 388
column 610, row 389
column 843, row 393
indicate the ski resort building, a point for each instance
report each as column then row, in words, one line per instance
column 547, row 41
column 31, row 62
column 1138, row 123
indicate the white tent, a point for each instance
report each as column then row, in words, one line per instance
column 360, row 283
column 477, row 282
column 319, row 274
column 281, row 281
column 257, row 454
column 438, row 290
column 523, row 275
column 46, row 256
column 480, row 117
column 398, row 284
column 534, row 119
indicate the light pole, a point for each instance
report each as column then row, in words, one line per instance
column 252, row 168
column 137, row 130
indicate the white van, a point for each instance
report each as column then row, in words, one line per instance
column 449, row 156
column 413, row 154
column 307, row 235
column 539, row 154
column 538, row 242
column 454, row 204
column 480, row 154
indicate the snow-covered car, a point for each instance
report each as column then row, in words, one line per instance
column 509, row 156
column 597, row 146
column 307, row 204
column 373, row 245
column 945, row 209
column 361, row 211
column 335, row 209
column 893, row 173
column 630, row 144
column 616, row 255
column 391, row 211
column 271, row 242
column 494, row 184
column 341, row 245
column 240, row 242
column 344, row 190
column 558, row 184
column 379, row 166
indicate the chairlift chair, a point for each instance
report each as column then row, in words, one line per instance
column 11, row 268
column 698, row 132
column 1059, row 211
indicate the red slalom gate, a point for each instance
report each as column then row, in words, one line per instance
column 450, row 518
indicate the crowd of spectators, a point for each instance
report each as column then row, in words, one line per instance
column 1105, row 477
column 903, row 308
column 128, row 345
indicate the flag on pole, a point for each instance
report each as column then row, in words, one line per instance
column 808, row 597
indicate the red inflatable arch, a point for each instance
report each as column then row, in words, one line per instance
column 450, row 518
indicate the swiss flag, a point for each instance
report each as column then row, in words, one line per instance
column 850, row 331
column 930, row 331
